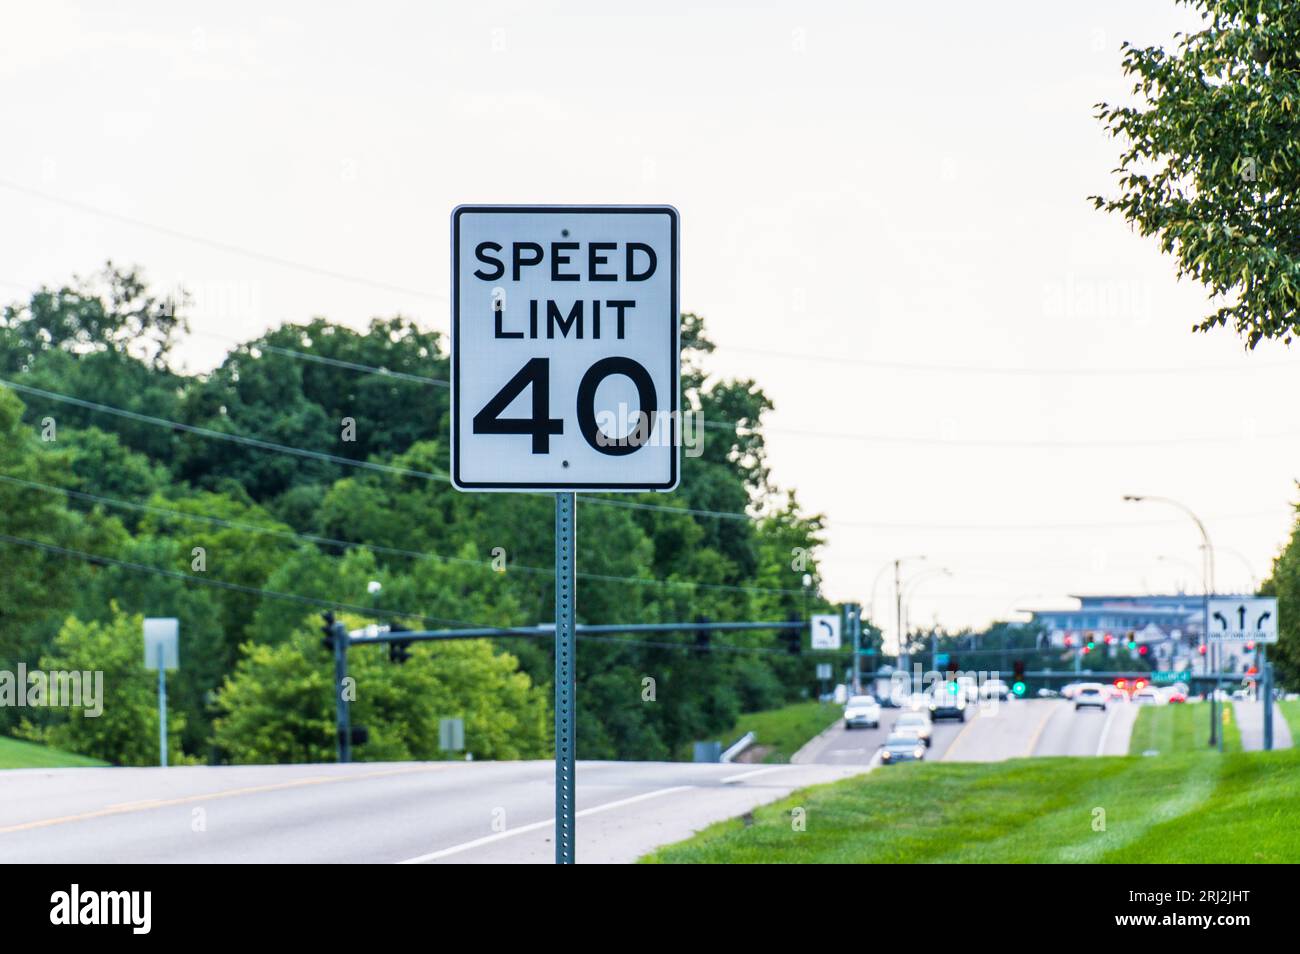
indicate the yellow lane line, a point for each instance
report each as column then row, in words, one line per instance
column 1038, row 733
column 124, row 808
column 947, row 753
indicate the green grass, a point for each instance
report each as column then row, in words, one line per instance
column 17, row 754
column 787, row 729
column 1291, row 712
column 1193, row 807
column 1180, row 728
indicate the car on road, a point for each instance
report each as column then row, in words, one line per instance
column 1090, row 695
column 995, row 689
column 1174, row 694
column 862, row 711
column 1148, row 697
column 969, row 688
column 915, row 723
column 946, row 702
column 901, row 747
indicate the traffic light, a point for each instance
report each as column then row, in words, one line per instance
column 1201, row 649
column 1132, row 642
column 328, row 629
column 1109, row 639
column 703, row 636
column 1069, row 641
column 397, row 651
column 1143, row 650
column 1092, row 644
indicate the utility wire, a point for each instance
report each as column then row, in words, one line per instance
column 213, row 243
column 379, row 548
column 335, row 604
column 741, row 429
column 220, row 435
column 582, row 498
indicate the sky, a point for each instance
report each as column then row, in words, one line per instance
column 885, row 223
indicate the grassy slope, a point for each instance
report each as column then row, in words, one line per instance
column 17, row 754
column 1291, row 712
column 786, row 729
column 1179, row 728
column 1195, row 807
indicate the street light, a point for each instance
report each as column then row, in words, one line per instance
column 1167, row 558
column 1207, row 587
column 897, row 564
column 910, row 590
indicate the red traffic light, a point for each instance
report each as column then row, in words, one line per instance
column 1201, row 649
column 1142, row 650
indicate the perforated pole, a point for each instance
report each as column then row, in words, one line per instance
column 565, row 651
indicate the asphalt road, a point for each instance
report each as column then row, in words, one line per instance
column 992, row 732
column 373, row 812
column 840, row 746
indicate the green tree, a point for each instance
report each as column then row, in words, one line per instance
column 1212, row 159
column 126, row 731
column 1284, row 583
column 278, row 706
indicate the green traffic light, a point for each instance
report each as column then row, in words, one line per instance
column 1018, row 688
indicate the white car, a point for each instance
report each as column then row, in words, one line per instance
column 1090, row 695
column 862, row 711
column 969, row 688
column 995, row 689
column 1148, row 697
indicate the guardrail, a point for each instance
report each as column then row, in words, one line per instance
column 744, row 742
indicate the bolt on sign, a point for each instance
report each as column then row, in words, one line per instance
column 565, row 348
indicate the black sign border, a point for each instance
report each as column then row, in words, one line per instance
column 674, row 346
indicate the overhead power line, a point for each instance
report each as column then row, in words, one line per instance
column 243, row 526
column 582, row 498
column 354, row 607
column 219, row 245
column 220, row 435
column 306, row 267
column 911, row 440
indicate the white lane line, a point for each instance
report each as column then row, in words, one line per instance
column 732, row 779
column 536, row 826
column 1105, row 729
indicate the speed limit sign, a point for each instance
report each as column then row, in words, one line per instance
column 564, row 348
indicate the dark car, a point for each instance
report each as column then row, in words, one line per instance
column 946, row 702
column 902, row 747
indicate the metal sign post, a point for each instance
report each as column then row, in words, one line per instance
column 162, row 709
column 161, row 652
column 566, row 525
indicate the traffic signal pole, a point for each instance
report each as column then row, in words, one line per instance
column 342, row 716
column 1266, row 687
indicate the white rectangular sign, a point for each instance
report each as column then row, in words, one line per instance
column 826, row 632
column 161, row 636
column 565, row 348
column 1243, row 619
